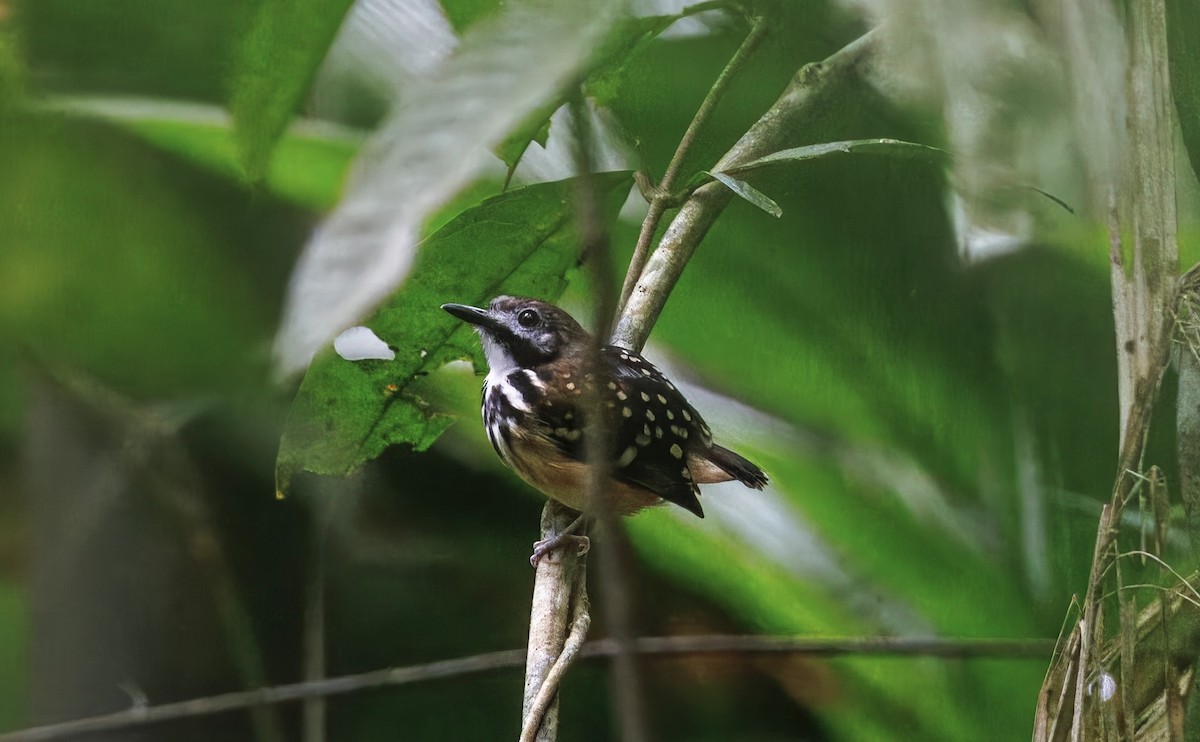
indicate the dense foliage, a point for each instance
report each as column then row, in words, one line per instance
column 196, row 197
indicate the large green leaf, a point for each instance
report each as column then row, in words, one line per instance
column 522, row 242
column 133, row 267
column 277, row 59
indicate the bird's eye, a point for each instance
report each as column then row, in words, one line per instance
column 528, row 318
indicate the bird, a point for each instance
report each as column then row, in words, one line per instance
column 535, row 412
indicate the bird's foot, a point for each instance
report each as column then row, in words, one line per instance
column 548, row 545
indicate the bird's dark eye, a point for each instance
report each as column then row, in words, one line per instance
column 528, row 318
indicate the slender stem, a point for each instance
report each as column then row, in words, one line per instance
column 1144, row 261
column 661, row 646
column 663, row 192
column 613, row 559
column 804, row 100
column 313, row 724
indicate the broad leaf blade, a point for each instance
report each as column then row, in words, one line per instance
column 277, row 60
column 505, row 69
column 347, row 412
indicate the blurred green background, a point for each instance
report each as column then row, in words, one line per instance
column 940, row 431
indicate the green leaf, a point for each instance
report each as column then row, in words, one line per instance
column 619, row 50
column 521, row 242
column 1183, row 28
column 893, row 147
column 614, row 52
column 750, row 193
column 274, row 67
column 535, row 129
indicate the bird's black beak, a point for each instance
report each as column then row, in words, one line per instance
column 471, row 315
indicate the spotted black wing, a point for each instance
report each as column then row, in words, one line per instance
column 656, row 428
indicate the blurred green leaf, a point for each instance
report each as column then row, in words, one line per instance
column 621, row 48
column 521, row 242
column 12, row 70
column 142, row 270
column 308, row 168
column 276, row 61
column 748, row 192
column 14, row 635
column 1183, row 28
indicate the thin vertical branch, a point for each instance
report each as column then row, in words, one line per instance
column 662, row 194
column 805, row 99
column 313, row 724
column 614, row 558
column 1144, row 257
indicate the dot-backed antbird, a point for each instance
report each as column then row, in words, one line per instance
column 536, row 417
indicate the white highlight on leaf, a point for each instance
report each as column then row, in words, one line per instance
column 424, row 152
column 361, row 344
column 765, row 521
column 1027, row 105
column 556, row 161
column 388, row 44
column 874, row 466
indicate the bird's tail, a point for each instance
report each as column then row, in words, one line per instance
column 738, row 467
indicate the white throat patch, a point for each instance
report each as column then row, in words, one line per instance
column 500, row 361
